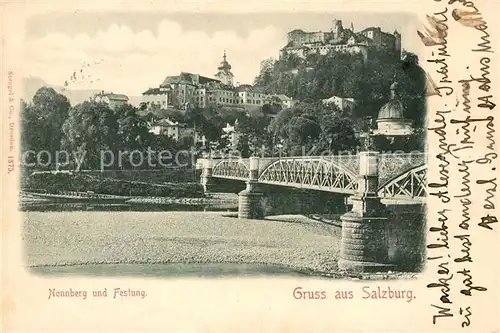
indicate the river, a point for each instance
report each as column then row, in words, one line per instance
column 59, row 207
column 169, row 270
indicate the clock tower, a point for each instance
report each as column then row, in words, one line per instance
column 224, row 73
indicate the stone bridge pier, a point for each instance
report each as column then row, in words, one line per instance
column 207, row 181
column 364, row 243
column 249, row 200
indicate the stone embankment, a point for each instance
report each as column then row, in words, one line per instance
column 216, row 199
column 211, row 199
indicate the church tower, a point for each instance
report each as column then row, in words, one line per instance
column 224, row 73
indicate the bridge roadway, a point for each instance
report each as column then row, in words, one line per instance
column 402, row 177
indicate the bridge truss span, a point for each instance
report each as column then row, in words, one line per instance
column 401, row 177
column 231, row 169
column 311, row 173
column 409, row 186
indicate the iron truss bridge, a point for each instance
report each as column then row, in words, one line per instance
column 402, row 177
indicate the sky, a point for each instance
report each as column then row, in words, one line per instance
column 130, row 52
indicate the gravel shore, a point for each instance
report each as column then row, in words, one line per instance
column 74, row 238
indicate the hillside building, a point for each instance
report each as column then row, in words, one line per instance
column 193, row 90
column 302, row 43
column 344, row 104
column 114, row 101
column 283, row 101
column 176, row 131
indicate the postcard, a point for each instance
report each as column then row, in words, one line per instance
column 245, row 166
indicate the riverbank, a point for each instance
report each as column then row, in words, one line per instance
column 208, row 199
column 27, row 198
column 58, row 183
column 75, row 238
column 115, row 238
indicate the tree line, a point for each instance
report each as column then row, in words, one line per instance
column 50, row 124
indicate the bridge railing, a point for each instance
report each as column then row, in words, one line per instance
column 389, row 164
column 393, row 164
column 394, row 170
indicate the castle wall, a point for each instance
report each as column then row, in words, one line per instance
column 303, row 43
column 303, row 52
column 300, row 38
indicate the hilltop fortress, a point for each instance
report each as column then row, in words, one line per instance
column 301, row 43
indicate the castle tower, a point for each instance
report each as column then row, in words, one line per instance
column 224, row 73
column 337, row 28
column 397, row 41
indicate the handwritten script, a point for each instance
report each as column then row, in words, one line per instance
column 465, row 154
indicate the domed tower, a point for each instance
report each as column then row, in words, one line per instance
column 390, row 120
column 224, row 73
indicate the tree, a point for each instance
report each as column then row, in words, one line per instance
column 193, row 116
column 265, row 76
column 41, row 121
column 313, row 125
column 337, row 134
column 133, row 132
column 412, row 79
column 278, row 125
column 303, row 130
column 30, row 140
column 243, row 147
column 211, row 123
column 253, row 132
column 91, row 128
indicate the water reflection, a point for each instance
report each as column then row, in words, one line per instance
column 169, row 270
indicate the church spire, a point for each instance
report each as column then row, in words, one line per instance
column 224, row 64
column 352, row 27
column 224, row 71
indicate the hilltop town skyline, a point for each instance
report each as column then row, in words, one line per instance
column 126, row 57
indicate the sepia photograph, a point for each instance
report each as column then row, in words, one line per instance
column 290, row 144
column 250, row 166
